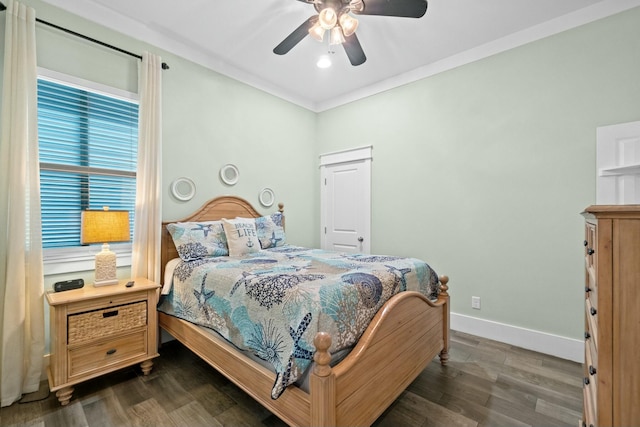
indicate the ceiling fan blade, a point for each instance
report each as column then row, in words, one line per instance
column 354, row 50
column 401, row 8
column 295, row 37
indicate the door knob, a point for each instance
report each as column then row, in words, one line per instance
column 360, row 239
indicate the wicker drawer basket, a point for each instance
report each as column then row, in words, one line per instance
column 96, row 324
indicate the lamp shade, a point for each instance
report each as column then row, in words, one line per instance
column 327, row 18
column 317, row 32
column 336, row 36
column 104, row 226
column 349, row 25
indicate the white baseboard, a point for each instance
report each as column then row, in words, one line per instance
column 554, row 345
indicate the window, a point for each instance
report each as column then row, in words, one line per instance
column 88, row 154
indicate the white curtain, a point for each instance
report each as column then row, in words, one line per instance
column 21, row 272
column 148, row 220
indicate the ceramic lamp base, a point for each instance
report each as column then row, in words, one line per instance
column 105, row 267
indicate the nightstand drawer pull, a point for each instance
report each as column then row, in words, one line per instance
column 586, row 381
column 592, row 370
column 590, row 251
column 112, row 351
column 110, row 313
column 593, row 311
column 587, row 335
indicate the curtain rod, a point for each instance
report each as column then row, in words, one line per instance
column 165, row 66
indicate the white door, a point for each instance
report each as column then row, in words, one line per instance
column 345, row 180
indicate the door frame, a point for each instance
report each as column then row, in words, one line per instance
column 352, row 155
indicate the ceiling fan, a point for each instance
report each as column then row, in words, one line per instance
column 334, row 16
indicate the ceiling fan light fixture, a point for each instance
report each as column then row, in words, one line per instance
column 317, row 32
column 349, row 24
column 328, row 18
column 336, row 36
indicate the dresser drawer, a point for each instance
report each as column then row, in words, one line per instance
column 96, row 324
column 591, row 316
column 591, row 265
column 98, row 357
column 590, row 344
column 590, row 244
column 589, row 400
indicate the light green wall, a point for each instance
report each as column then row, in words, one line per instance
column 483, row 170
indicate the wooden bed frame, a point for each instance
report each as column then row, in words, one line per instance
column 405, row 335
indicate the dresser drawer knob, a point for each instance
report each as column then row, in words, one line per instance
column 587, row 289
column 109, row 314
column 593, row 311
column 586, row 243
column 110, row 352
column 586, row 381
column 592, row 370
column 590, row 251
column 587, row 335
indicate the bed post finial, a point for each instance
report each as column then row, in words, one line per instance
column 446, row 319
column 281, row 210
column 443, row 285
column 322, row 357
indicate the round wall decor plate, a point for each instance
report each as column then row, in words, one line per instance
column 229, row 174
column 183, row 189
column 266, row 197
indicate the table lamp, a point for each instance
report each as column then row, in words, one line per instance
column 105, row 226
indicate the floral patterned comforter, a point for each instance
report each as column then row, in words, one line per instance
column 273, row 302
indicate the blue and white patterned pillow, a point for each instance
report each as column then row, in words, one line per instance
column 270, row 231
column 242, row 237
column 196, row 240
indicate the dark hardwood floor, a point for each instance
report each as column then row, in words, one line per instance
column 487, row 383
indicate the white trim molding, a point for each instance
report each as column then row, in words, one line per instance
column 157, row 36
column 348, row 155
column 542, row 342
column 81, row 258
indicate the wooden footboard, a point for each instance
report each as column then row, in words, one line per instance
column 403, row 338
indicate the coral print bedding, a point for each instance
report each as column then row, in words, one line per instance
column 273, row 302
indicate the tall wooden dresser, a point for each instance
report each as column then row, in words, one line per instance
column 612, row 316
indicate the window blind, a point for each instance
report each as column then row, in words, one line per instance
column 88, row 146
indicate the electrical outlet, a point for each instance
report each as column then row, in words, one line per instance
column 475, row 303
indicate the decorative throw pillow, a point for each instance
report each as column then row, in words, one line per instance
column 195, row 240
column 270, row 230
column 242, row 237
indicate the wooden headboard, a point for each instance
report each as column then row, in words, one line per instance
column 214, row 209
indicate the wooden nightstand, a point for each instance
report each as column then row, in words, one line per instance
column 96, row 330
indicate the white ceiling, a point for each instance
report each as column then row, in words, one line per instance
column 237, row 37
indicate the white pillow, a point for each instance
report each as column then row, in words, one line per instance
column 242, row 237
